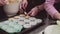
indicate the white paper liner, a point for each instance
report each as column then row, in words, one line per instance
column 27, row 26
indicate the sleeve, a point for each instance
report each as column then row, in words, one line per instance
column 49, row 7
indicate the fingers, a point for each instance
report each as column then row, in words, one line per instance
column 25, row 5
column 2, row 2
column 21, row 11
column 33, row 13
column 30, row 12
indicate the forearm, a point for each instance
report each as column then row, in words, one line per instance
column 52, row 11
column 49, row 6
column 57, row 15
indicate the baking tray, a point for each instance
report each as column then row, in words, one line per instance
column 24, row 31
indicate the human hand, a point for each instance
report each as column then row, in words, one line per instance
column 57, row 15
column 2, row 2
column 33, row 12
column 21, row 11
column 24, row 4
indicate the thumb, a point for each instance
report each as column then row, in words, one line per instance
column 30, row 12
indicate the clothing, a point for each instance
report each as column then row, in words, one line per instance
column 49, row 6
column 57, row 7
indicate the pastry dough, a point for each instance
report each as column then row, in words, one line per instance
column 16, row 17
column 22, row 15
column 10, row 19
column 27, row 17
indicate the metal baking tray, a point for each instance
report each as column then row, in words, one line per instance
column 24, row 31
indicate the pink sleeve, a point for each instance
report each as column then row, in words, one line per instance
column 50, row 8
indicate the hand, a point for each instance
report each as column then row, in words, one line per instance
column 24, row 4
column 33, row 12
column 21, row 11
column 57, row 15
column 2, row 2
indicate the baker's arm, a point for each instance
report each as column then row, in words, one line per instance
column 49, row 6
